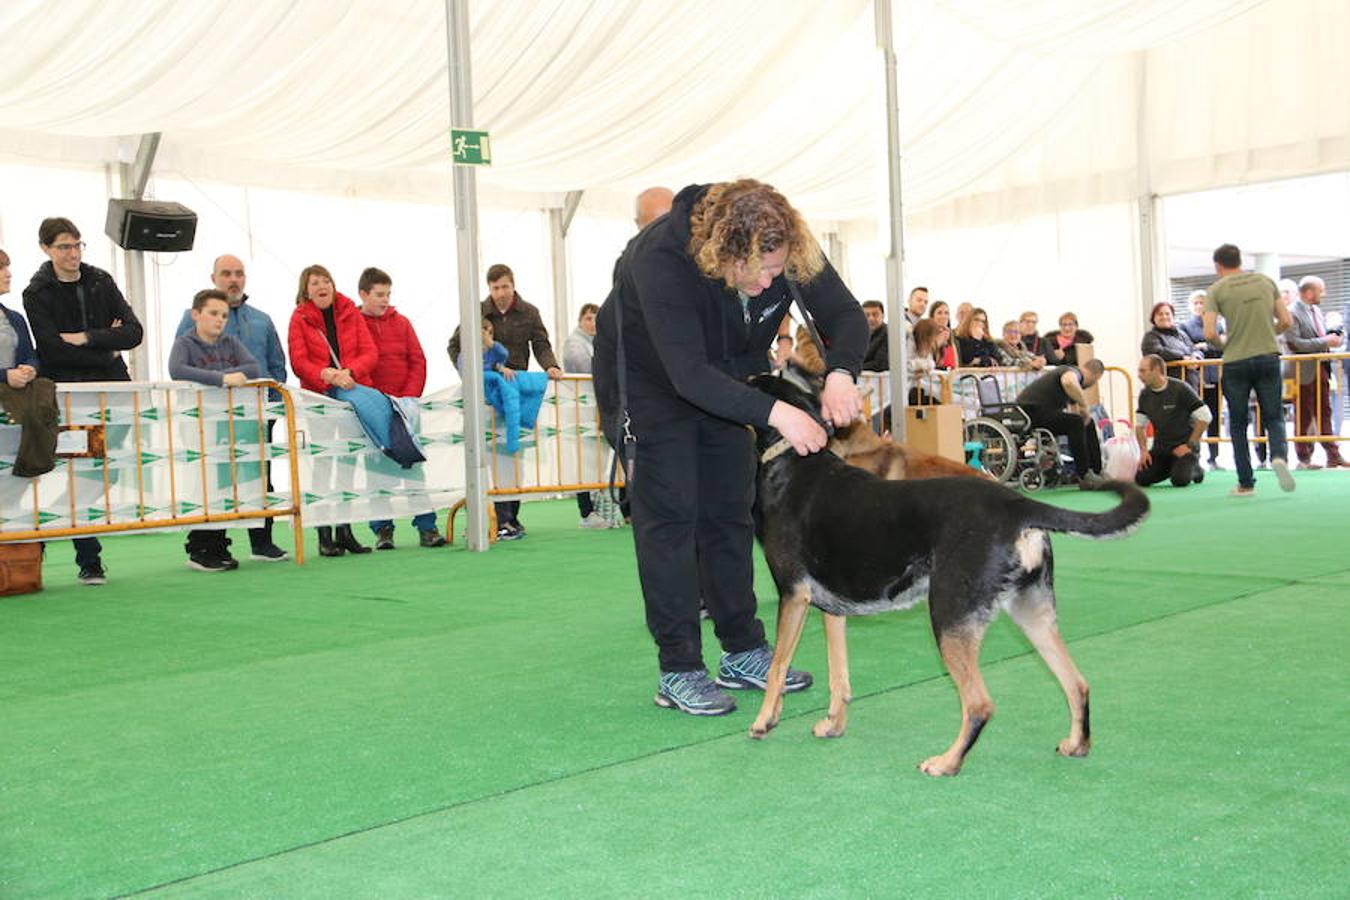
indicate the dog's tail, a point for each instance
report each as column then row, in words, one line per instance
column 1124, row 518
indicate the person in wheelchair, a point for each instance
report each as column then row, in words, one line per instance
column 1056, row 402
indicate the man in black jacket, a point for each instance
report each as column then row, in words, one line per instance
column 80, row 323
column 697, row 299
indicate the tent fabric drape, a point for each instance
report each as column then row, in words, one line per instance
column 1007, row 108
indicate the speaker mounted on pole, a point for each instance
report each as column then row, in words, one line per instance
column 155, row 225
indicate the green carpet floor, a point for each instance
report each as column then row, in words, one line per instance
column 440, row 723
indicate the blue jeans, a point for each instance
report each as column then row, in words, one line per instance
column 1260, row 374
column 422, row 522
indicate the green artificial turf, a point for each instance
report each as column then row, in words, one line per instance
column 440, row 723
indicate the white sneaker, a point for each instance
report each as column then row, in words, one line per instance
column 1282, row 473
column 594, row 521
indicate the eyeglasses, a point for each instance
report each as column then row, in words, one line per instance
column 66, row 248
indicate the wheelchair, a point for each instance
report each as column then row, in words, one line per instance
column 1009, row 447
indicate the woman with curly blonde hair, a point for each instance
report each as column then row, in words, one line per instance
column 696, row 303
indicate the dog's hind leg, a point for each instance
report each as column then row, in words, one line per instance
column 792, row 607
column 841, row 694
column 1034, row 612
column 960, row 649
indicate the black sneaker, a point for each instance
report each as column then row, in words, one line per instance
column 693, row 693
column 384, row 538
column 211, row 562
column 510, row 533
column 269, row 553
column 432, row 538
column 93, row 575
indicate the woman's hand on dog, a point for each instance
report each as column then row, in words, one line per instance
column 797, row 428
column 840, row 402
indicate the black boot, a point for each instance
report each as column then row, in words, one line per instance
column 347, row 541
column 326, row 545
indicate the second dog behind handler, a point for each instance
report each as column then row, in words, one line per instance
column 702, row 292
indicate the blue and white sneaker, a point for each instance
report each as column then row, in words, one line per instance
column 750, row 669
column 693, row 693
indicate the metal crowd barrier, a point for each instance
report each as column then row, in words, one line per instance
column 1293, row 394
column 565, row 451
column 1115, row 391
column 136, row 456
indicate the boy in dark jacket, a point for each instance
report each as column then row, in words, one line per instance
column 209, row 356
column 81, row 323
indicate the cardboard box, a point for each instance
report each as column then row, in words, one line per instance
column 936, row 429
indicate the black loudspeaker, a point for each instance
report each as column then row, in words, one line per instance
column 151, row 225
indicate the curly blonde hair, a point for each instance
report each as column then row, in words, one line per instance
column 741, row 221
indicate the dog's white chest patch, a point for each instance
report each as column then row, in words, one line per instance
column 901, row 594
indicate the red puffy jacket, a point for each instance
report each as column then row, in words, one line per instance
column 308, row 342
column 402, row 367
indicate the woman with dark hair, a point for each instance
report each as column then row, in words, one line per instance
column 1061, row 347
column 332, row 353
column 697, row 300
column 973, row 347
column 944, row 351
column 1170, row 342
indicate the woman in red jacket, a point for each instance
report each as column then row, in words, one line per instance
column 333, row 354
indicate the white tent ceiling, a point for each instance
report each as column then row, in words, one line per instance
column 1007, row 106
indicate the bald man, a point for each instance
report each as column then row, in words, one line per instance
column 254, row 329
column 652, row 204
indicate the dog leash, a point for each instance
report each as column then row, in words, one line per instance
column 781, row 446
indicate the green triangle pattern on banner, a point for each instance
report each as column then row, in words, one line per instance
column 93, row 514
column 456, row 439
column 237, row 411
column 315, row 449
column 354, row 446
column 276, row 451
column 191, row 412
column 44, row 517
column 143, row 511
column 312, row 498
column 230, row 504
column 457, row 404
column 384, row 492
column 191, row 455
column 348, row 496
column 148, row 457
column 5, row 465
column 273, row 500
column 317, row 409
column 240, row 451
column 186, row 507
column 151, row 413
column 276, row 410
column 550, row 432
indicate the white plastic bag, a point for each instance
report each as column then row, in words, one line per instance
column 1121, row 454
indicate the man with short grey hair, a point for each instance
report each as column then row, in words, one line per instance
column 1309, row 334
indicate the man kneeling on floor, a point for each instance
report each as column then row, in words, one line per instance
column 1178, row 418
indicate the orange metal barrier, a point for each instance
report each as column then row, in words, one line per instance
column 96, row 448
column 1295, row 395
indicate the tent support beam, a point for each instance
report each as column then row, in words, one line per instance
column 132, row 180
column 895, row 259
column 1146, row 202
column 466, row 257
column 559, row 221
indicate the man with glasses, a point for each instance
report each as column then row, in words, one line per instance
column 81, row 323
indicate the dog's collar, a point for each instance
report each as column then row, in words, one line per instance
column 775, row 450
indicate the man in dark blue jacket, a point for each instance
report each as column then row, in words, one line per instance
column 81, row 323
column 700, row 293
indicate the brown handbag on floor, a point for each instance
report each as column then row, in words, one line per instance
column 20, row 568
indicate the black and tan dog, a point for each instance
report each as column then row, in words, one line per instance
column 838, row 538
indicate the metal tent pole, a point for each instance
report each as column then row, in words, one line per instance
column 559, row 221
column 895, row 260
column 466, row 252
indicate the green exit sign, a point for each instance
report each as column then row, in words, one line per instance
column 470, row 148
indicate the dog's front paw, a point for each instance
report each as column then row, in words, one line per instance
column 760, row 729
column 828, row 728
column 939, row 766
column 1070, row 747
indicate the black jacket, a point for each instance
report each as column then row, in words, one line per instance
column 878, row 355
column 50, row 314
column 688, row 344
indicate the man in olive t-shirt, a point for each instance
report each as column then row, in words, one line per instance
column 1251, row 304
